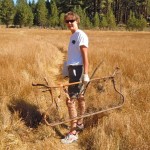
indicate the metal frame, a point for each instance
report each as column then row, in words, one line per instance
column 63, row 86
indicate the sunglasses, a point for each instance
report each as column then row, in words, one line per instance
column 71, row 21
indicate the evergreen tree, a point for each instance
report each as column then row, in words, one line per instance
column 47, row 12
column 102, row 8
column 111, row 19
column 88, row 24
column 84, row 19
column 0, row 10
column 30, row 17
column 54, row 19
column 141, row 23
column 23, row 16
column 103, row 22
column 91, row 7
column 81, row 13
column 96, row 20
column 33, row 8
column 148, row 7
column 7, row 12
column 61, row 21
column 148, row 11
column 41, row 13
column 67, row 5
column 132, row 21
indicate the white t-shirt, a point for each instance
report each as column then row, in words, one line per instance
column 77, row 39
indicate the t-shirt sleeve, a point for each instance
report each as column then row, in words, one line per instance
column 83, row 40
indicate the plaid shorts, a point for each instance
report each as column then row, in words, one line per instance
column 75, row 74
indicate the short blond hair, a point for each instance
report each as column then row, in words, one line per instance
column 75, row 16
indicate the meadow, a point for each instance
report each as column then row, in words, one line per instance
column 31, row 55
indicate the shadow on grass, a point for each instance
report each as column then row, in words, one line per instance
column 28, row 112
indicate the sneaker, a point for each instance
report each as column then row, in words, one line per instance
column 80, row 127
column 70, row 138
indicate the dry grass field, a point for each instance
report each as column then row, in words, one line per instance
column 29, row 55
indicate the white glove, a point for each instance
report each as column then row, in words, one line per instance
column 85, row 79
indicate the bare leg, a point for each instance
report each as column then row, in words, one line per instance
column 72, row 113
column 81, row 107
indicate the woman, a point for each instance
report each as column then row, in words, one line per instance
column 77, row 64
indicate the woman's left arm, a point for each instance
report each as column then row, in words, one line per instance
column 84, row 52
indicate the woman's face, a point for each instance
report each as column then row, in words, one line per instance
column 71, row 23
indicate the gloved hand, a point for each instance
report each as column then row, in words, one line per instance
column 85, row 78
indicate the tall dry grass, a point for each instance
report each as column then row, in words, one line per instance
column 29, row 55
column 128, row 128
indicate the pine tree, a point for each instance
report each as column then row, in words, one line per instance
column 68, row 5
column 0, row 10
column 23, row 16
column 7, row 12
column 103, row 23
column 111, row 19
column 88, row 24
column 30, row 16
column 103, row 8
column 132, row 21
column 33, row 8
column 96, row 20
column 148, row 8
column 91, row 8
column 64, row 5
column 78, row 10
column 54, row 19
column 41, row 13
column 84, row 19
column 141, row 23
column 61, row 21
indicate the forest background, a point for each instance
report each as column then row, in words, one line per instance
column 97, row 14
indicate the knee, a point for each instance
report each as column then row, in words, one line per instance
column 81, row 98
column 70, row 102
